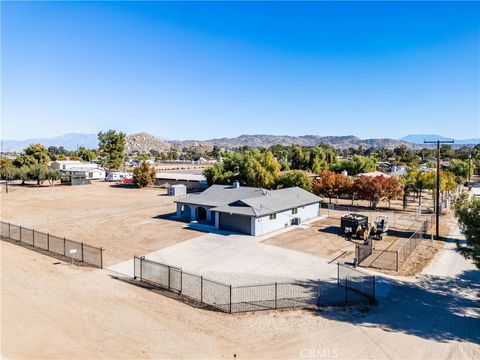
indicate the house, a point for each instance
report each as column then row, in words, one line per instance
column 86, row 172
column 249, row 210
column 373, row 174
column 64, row 165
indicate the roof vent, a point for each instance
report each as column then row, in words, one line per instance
column 236, row 184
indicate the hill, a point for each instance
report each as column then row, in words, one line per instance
column 68, row 141
column 144, row 142
column 419, row 138
column 305, row 140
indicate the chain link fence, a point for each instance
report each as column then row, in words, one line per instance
column 351, row 287
column 68, row 249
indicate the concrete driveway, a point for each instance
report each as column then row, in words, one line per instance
column 238, row 259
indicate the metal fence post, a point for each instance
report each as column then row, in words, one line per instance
column 338, row 273
column 64, row 247
column 346, row 290
column 141, row 268
column 9, row 231
column 81, row 244
column 101, row 258
column 318, row 293
column 48, row 241
column 168, row 278
column 230, row 310
column 33, row 238
column 201, row 289
column 373, row 288
column 397, row 260
column 275, row 295
column 181, row 281
column 20, row 234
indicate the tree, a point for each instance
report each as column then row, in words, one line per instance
column 111, row 149
column 52, row 175
column 468, row 215
column 7, row 171
column 330, row 184
column 356, row 165
column 38, row 152
column 460, row 169
column 22, row 173
column 370, row 188
column 295, row 178
column 24, row 160
column 38, row 172
column 144, row 175
column 86, row 154
column 392, row 188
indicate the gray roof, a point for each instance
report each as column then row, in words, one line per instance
column 251, row 201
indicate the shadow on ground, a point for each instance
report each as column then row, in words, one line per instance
column 439, row 308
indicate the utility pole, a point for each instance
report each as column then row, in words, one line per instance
column 437, row 192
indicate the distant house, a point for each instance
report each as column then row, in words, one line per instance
column 249, row 210
column 373, row 174
column 64, row 165
column 86, row 173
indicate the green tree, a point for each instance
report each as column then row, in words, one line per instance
column 38, row 152
column 357, row 164
column 143, row 157
column 295, row 178
column 52, row 175
column 7, row 171
column 38, row 172
column 22, row 173
column 459, row 168
column 468, row 215
column 144, row 175
column 24, row 160
column 86, row 154
column 111, row 149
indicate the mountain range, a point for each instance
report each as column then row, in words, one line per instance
column 420, row 138
column 143, row 142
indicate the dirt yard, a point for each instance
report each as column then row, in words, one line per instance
column 323, row 238
column 54, row 310
column 123, row 220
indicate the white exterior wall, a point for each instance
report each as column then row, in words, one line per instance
column 263, row 225
column 96, row 174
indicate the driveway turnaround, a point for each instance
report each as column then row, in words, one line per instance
column 238, row 260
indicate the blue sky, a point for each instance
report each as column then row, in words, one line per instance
column 207, row 70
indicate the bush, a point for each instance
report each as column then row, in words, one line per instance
column 144, row 175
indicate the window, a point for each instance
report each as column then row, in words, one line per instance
column 273, row 216
column 294, row 211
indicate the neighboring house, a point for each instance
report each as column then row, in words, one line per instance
column 193, row 182
column 86, row 172
column 249, row 210
column 64, row 165
column 374, row 174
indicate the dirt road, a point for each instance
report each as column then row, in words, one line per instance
column 52, row 310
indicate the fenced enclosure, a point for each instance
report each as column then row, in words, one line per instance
column 393, row 257
column 351, row 287
column 68, row 249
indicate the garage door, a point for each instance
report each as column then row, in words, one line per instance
column 235, row 223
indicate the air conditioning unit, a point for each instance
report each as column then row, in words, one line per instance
column 296, row 221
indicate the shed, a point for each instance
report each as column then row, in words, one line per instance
column 177, row 190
